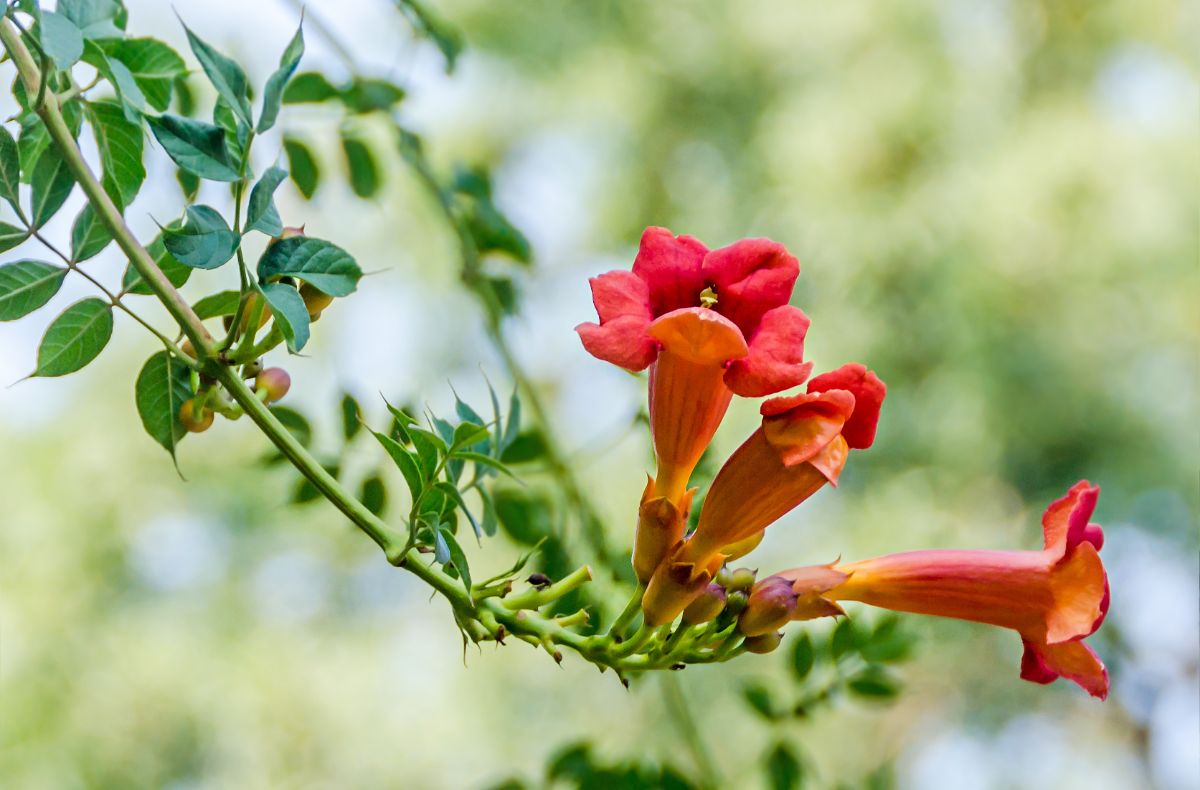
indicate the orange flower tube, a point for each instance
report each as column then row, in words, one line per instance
column 802, row 445
column 709, row 325
column 1053, row 598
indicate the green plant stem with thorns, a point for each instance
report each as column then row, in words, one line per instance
column 481, row 616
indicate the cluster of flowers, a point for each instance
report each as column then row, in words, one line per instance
column 713, row 324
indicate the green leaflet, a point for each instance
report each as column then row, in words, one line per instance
column 273, row 92
column 51, row 183
column 196, row 146
column 88, row 235
column 320, row 263
column 261, row 214
column 225, row 75
column 27, row 285
column 291, row 316
column 162, row 387
column 302, row 166
column 75, row 338
column 204, row 242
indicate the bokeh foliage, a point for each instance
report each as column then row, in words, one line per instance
column 994, row 207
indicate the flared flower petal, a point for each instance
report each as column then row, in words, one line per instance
column 868, row 393
column 1074, row 661
column 775, row 361
column 622, row 341
column 670, row 267
column 750, row 277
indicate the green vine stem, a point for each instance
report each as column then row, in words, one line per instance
column 488, row 618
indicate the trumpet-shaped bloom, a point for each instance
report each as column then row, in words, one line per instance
column 1053, row 598
column 709, row 324
column 801, row 446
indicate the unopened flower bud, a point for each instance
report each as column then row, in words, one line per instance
column 771, row 605
column 195, row 423
column 291, row 231
column 706, row 607
column 275, row 382
column 724, row 577
column 315, row 300
column 741, row 579
column 763, row 643
column 735, row 602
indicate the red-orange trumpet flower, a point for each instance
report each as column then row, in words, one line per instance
column 802, row 445
column 708, row 324
column 1053, row 598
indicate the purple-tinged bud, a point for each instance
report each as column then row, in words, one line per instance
column 275, row 382
column 771, row 605
column 763, row 643
column 706, row 607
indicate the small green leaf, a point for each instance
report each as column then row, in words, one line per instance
column 274, row 90
column 291, row 316
column 97, row 19
column 485, row 461
column 302, row 166
column 195, row 146
column 364, row 173
column 11, row 236
column 405, row 461
column 120, row 145
column 61, row 39
column 225, row 75
column 75, row 338
column 454, row 495
column 320, row 263
column 218, row 305
column 429, row 447
column 373, row 494
column 129, row 93
column 873, row 683
column 368, row 95
column 153, row 65
column 784, row 769
column 803, row 656
column 456, row 557
column 189, row 183
column 261, row 214
column 88, row 235
column 758, row 697
column 351, row 417
column 887, row 642
column 296, row 423
column 204, row 242
column 10, row 168
column 433, row 27
column 526, row 518
column 310, row 87
column 51, row 184
column 844, row 639
column 162, row 387
column 27, row 285
column 177, row 274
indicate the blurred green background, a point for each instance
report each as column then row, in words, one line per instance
column 995, row 207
